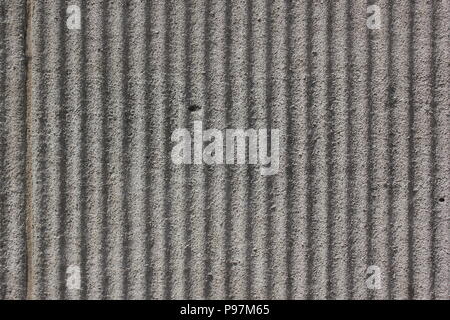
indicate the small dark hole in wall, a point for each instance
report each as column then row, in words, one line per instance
column 441, row 199
column 194, row 107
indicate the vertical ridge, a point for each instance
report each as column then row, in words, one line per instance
column 440, row 151
column 278, row 101
column 238, row 173
column 177, row 213
column 317, row 161
column 358, row 116
column 114, row 147
column 421, row 127
column 95, row 163
column 73, row 145
column 258, row 195
column 215, row 117
column 398, row 144
column 337, row 148
column 298, row 150
column 54, row 155
column 378, row 155
column 135, row 117
column 38, row 151
column 195, row 97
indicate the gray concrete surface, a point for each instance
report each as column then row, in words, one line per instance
column 87, row 180
column 13, row 248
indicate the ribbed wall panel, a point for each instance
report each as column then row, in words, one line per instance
column 362, row 116
column 13, row 150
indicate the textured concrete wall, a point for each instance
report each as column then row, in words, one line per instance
column 91, row 197
column 12, row 150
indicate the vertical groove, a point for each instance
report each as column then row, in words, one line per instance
column 228, row 101
column 369, row 160
column 3, row 286
column 148, row 36
column 158, row 167
column 189, row 262
column 83, row 155
column 251, row 170
column 410, row 151
column 168, row 276
column 268, row 121
column 349, row 172
column 86, row 123
column 309, row 81
column 38, row 152
column 29, row 171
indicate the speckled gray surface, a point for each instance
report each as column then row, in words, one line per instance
column 12, row 151
column 87, row 181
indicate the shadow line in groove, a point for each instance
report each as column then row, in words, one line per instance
column 29, row 156
column 166, row 138
column 371, row 163
column 350, row 152
column 309, row 152
column 228, row 104
column 3, row 284
column 189, row 171
column 208, row 174
column 83, row 160
column 63, row 160
column 104, row 165
column 42, row 292
column 411, row 115
column 148, row 182
column 390, row 195
column 330, row 167
column 125, row 160
column 250, row 171
column 435, row 216
column 270, row 179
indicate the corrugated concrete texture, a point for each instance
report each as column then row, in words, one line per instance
column 12, row 150
column 93, row 207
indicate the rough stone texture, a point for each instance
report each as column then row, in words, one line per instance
column 12, row 150
column 364, row 165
